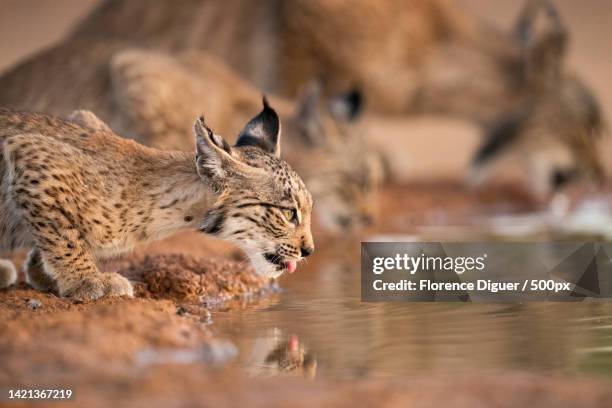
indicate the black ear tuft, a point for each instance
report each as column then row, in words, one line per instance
column 347, row 106
column 354, row 99
column 265, row 102
column 263, row 131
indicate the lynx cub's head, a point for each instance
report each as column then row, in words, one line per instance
column 557, row 141
column 340, row 168
column 263, row 205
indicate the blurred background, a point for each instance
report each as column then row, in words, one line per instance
column 438, row 148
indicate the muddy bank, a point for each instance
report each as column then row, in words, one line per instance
column 42, row 332
column 45, row 337
column 208, row 282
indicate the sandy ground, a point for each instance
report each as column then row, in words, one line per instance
column 46, row 338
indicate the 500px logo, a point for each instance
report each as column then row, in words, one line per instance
column 412, row 264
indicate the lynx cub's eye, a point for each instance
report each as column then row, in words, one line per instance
column 291, row 216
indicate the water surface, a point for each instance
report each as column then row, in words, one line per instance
column 319, row 317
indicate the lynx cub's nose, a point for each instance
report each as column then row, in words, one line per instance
column 306, row 251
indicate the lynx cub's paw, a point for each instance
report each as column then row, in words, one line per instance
column 96, row 286
column 117, row 285
column 8, row 274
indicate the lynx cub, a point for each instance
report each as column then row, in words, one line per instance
column 75, row 192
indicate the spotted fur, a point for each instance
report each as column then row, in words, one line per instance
column 75, row 192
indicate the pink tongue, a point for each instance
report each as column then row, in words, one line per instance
column 291, row 266
column 294, row 342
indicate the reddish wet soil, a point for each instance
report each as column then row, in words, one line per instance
column 191, row 280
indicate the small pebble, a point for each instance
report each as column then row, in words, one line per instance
column 34, row 304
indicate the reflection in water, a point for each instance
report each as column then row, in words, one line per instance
column 277, row 354
column 321, row 304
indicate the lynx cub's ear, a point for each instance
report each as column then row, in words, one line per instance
column 314, row 111
column 262, row 131
column 88, row 119
column 213, row 153
column 308, row 114
column 347, row 106
column 544, row 39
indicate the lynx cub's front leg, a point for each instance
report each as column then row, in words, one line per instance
column 59, row 208
column 35, row 273
column 70, row 271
